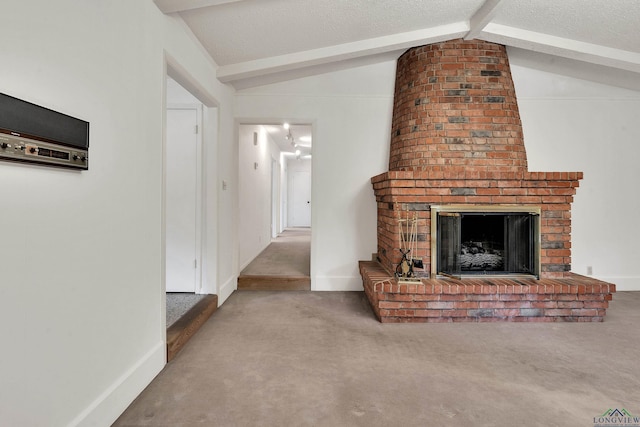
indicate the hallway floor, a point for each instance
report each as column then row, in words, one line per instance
column 283, row 265
column 321, row 359
column 287, row 255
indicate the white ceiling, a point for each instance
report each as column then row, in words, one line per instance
column 262, row 41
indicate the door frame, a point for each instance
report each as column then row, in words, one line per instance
column 275, row 198
column 209, row 263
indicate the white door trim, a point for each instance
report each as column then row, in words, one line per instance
column 275, row 198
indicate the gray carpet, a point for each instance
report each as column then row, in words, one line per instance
column 178, row 304
column 287, row 255
column 321, row 359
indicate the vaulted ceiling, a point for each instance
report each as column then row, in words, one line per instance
column 256, row 42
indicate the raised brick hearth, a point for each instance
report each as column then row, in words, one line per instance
column 573, row 298
column 457, row 140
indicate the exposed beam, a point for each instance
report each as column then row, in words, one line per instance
column 575, row 69
column 184, row 78
column 240, row 84
column 481, row 18
column 558, row 46
column 339, row 53
column 172, row 6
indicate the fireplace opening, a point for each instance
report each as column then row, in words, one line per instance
column 492, row 240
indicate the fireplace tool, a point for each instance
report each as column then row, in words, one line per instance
column 408, row 229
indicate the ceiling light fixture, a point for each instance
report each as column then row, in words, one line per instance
column 289, row 136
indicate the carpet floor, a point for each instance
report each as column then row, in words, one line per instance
column 178, row 304
column 321, row 359
column 287, row 255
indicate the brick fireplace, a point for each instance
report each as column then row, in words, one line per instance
column 457, row 147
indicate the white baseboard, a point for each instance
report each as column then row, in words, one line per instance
column 336, row 283
column 227, row 289
column 114, row 400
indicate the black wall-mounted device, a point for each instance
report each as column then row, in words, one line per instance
column 35, row 134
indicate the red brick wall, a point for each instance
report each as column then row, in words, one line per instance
column 417, row 190
column 455, row 106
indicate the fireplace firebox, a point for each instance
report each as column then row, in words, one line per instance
column 485, row 240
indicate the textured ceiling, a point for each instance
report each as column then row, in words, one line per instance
column 258, row 41
column 248, row 30
column 610, row 23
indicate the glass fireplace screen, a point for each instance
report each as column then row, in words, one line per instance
column 485, row 242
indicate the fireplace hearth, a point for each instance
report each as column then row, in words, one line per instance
column 494, row 238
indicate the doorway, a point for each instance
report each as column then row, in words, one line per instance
column 183, row 252
column 275, row 206
column 190, row 237
column 183, row 201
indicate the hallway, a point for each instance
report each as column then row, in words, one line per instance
column 283, row 265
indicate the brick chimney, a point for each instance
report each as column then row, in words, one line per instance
column 454, row 108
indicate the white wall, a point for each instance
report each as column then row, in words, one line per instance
column 176, row 94
column 569, row 125
column 254, row 213
column 351, row 116
column 576, row 125
column 81, row 297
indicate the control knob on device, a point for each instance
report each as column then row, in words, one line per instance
column 33, row 150
column 4, row 145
